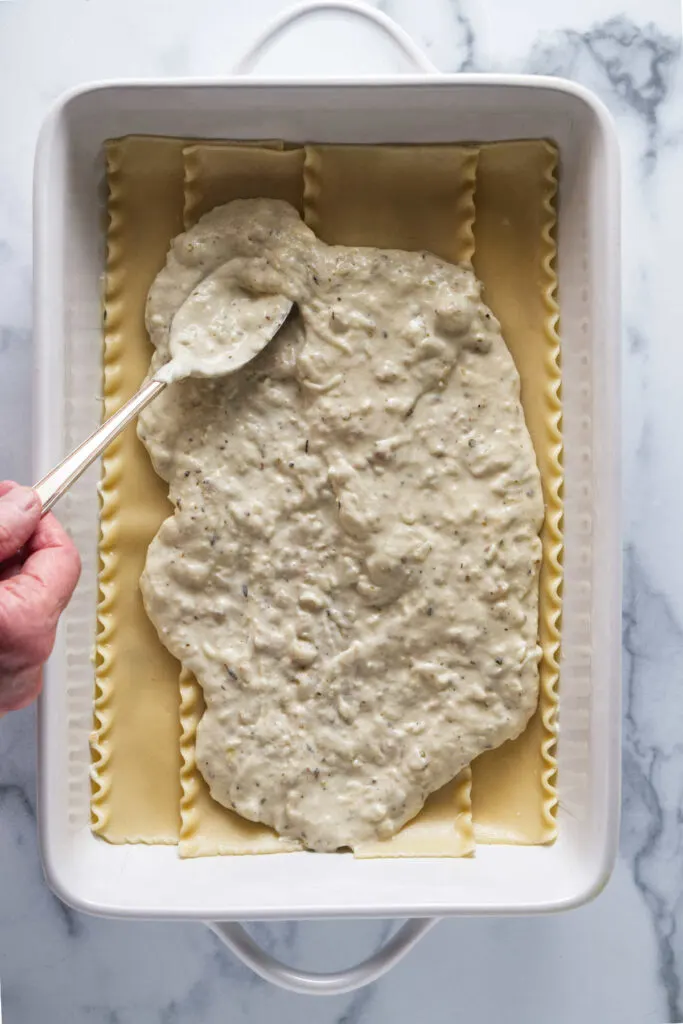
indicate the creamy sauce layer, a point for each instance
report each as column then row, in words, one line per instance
column 351, row 569
column 222, row 325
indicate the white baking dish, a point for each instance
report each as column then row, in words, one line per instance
column 151, row 881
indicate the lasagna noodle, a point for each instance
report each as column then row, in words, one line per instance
column 514, row 787
column 216, row 174
column 393, row 197
column 206, row 827
column 444, row 827
column 135, row 743
column 402, row 197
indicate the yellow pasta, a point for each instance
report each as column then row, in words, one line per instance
column 206, row 826
column 513, row 788
column 402, row 197
column 135, row 744
column 393, row 197
column 216, row 173
column 443, row 828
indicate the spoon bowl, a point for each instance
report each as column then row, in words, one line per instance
column 221, row 327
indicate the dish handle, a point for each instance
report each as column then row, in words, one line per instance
column 321, row 984
column 399, row 37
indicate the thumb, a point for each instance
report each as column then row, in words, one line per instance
column 19, row 516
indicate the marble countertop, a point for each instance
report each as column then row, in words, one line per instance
column 616, row 961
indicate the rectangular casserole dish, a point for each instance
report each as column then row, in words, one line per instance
column 150, row 881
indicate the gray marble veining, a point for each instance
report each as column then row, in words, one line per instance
column 652, row 839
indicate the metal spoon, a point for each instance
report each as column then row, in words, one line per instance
column 263, row 317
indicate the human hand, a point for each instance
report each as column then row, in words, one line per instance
column 39, row 569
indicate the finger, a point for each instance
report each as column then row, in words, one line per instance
column 48, row 576
column 53, row 559
column 12, row 567
column 31, row 602
column 20, row 510
column 7, row 485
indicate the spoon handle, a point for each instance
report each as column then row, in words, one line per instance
column 59, row 480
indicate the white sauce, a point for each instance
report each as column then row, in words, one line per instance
column 351, row 570
column 221, row 326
